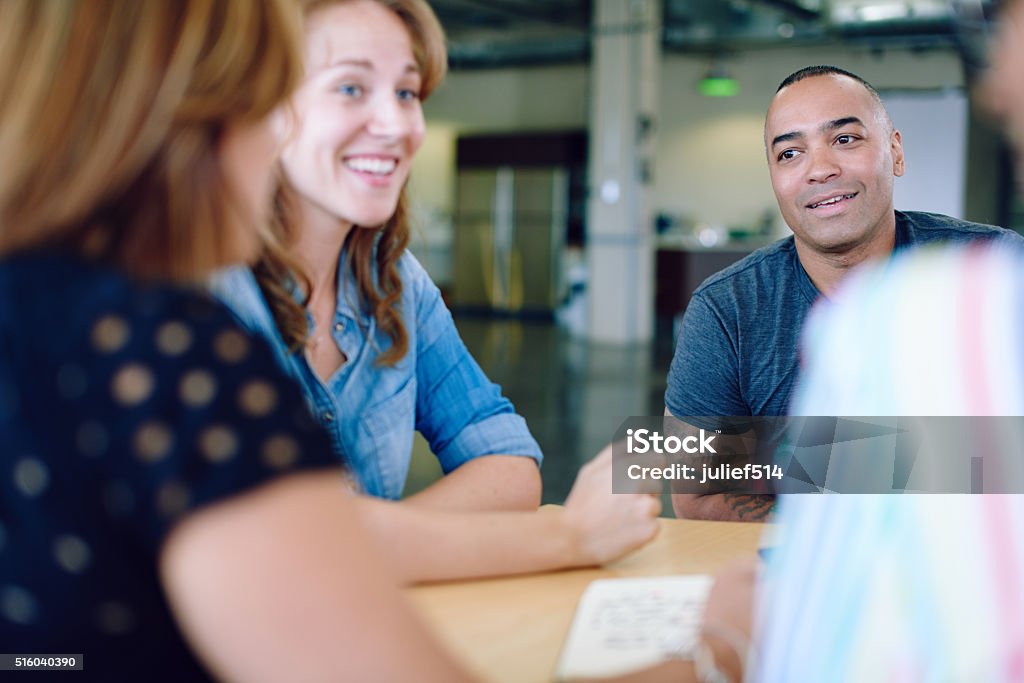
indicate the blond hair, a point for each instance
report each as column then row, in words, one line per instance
column 111, row 112
column 371, row 254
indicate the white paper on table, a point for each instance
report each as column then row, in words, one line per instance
column 626, row 624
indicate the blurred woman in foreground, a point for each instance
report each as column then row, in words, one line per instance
column 156, row 472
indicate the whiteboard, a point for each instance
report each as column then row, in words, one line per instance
column 933, row 124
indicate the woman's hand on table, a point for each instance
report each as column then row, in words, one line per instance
column 606, row 525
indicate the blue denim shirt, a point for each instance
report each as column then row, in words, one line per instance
column 371, row 411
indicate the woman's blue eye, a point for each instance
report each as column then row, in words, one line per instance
column 408, row 94
column 350, row 89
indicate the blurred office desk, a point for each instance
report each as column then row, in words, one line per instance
column 511, row 630
column 682, row 263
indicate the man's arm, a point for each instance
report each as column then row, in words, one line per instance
column 704, row 382
column 727, row 506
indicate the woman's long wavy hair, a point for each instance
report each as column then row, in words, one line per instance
column 371, row 254
column 111, row 117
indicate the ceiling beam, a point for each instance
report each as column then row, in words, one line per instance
column 793, row 8
column 578, row 14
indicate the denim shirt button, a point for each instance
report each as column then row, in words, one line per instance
column 338, row 327
column 327, row 416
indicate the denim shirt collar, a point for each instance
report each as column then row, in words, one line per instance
column 237, row 287
column 347, row 300
column 348, row 291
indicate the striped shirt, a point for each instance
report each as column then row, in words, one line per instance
column 888, row 588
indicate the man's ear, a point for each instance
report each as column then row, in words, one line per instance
column 898, row 165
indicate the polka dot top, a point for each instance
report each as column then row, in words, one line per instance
column 123, row 407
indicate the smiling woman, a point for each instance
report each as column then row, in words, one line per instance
column 351, row 312
column 354, row 317
column 360, row 113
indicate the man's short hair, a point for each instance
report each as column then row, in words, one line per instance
column 826, row 70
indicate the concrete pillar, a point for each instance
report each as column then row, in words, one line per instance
column 626, row 51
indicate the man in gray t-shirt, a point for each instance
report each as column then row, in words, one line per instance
column 833, row 155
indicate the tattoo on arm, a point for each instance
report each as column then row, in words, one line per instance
column 749, row 507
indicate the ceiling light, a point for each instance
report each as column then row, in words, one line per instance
column 718, row 82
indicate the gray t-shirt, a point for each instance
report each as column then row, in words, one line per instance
column 736, row 354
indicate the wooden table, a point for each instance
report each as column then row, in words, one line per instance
column 512, row 629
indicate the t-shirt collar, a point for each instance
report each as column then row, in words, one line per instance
column 905, row 236
column 803, row 280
